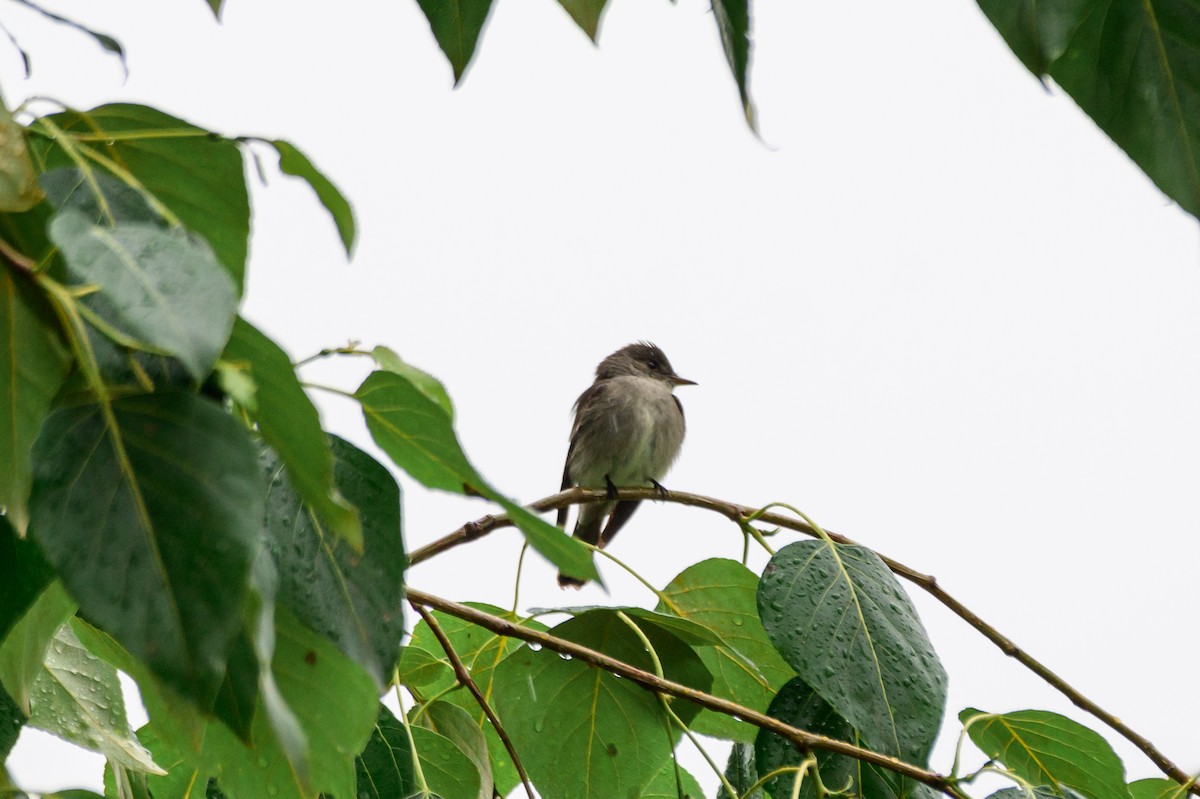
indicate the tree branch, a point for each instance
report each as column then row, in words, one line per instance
column 803, row 739
column 741, row 514
column 464, row 677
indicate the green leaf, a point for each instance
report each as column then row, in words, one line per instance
column 426, row 383
column 838, row 616
column 419, row 667
column 685, row 630
column 24, row 575
column 78, row 697
column 161, row 288
column 455, row 725
column 1039, row 792
column 11, row 721
column 456, row 25
column 171, row 500
column 19, row 189
column 799, row 705
column 353, row 599
column 103, row 39
column 293, row 162
column 384, row 769
column 289, row 422
column 614, row 733
column 667, row 784
column 1133, row 67
column 418, row 435
column 196, row 175
column 181, row 781
column 733, row 25
column 586, row 14
column 1156, row 788
column 719, row 594
column 449, row 772
column 215, row 5
column 741, row 772
column 33, row 363
column 1048, row 749
column 24, row 648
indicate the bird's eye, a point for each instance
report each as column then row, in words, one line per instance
column 653, row 364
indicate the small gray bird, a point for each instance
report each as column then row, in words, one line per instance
column 628, row 429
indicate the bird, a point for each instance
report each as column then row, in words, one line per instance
column 628, row 430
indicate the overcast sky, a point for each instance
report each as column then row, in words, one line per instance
column 934, row 307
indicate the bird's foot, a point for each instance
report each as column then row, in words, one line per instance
column 662, row 490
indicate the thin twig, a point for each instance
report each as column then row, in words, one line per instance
column 464, row 677
column 742, row 514
column 803, row 739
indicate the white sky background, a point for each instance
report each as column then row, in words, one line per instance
column 938, row 310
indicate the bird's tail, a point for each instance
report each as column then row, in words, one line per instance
column 587, row 528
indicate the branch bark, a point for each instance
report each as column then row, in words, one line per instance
column 740, row 514
column 803, row 739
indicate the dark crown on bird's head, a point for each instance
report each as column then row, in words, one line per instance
column 640, row 359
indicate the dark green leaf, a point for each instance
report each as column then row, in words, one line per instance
column 289, row 422
column 385, row 767
column 78, row 697
column 294, row 162
column 355, row 600
column 456, row 726
column 19, row 190
column 104, row 200
column 799, row 705
column 195, row 174
column 741, row 772
column 1133, row 67
column 33, row 363
column 838, row 616
column 23, row 650
column 1039, row 792
column 1048, row 749
column 11, row 720
column 171, row 500
column 733, row 25
column 161, row 288
column 614, row 733
column 586, row 14
column 24, row 575
column 418, row 435
column 457, row 25
column 685, row 630
column 720, row 595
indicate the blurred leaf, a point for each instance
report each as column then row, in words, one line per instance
column 838, row 616
column 24, row 575
column 293, row 162
column 685, row 630
column 195, row 174
column 163, row 289
column 799, row 705
column 1133, row 67
column 586, row 14
column 181, row 781
column 666, row 784
column 19, row 190
column 384, row 769
column 33, row 364
column 720, row 595
column 741, row 772
column 457, row 25
column 103, row 39
column 612, row 732
column 215, row 5
column 419, row 667
column 78, row 697
column 355, row 600
column 23, row 650
column 733, row 24
column 1039, row 792
column 170, row 500
column 289, row 423
column 1156, row 788
column 1048, row 749
column 456, row 726
column 418, row 435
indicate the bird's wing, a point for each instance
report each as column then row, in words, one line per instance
column 594, row 393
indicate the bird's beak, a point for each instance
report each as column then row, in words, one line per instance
column 676, row 380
